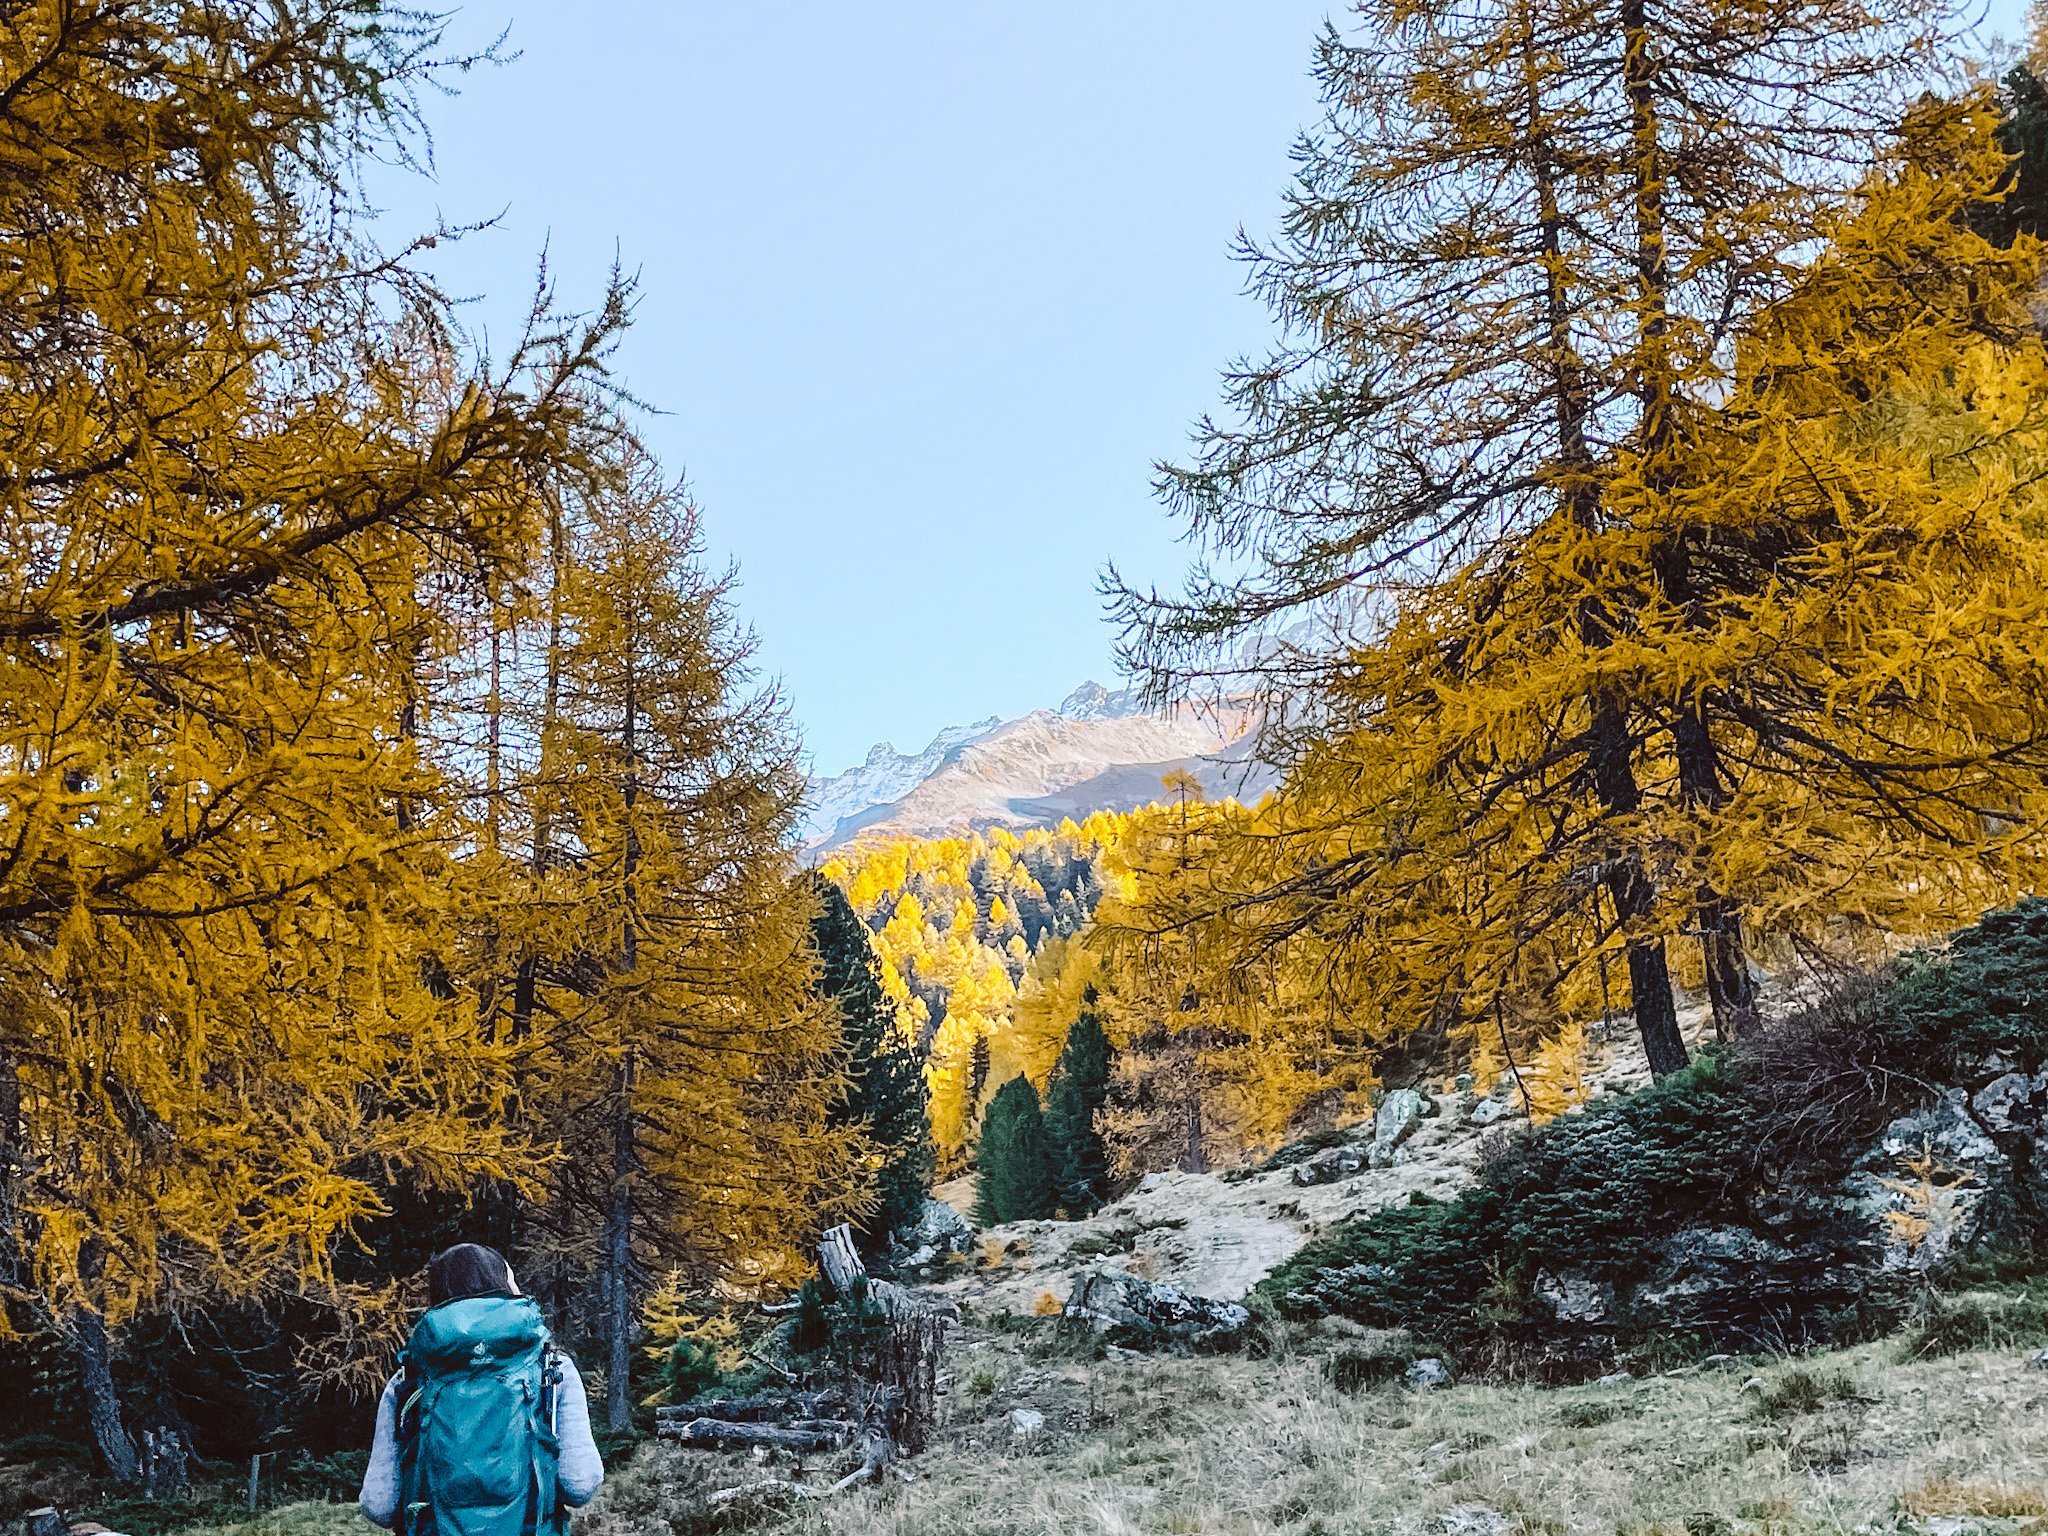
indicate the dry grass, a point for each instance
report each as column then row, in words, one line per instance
column 1222, row 1447
column 1988, row 1501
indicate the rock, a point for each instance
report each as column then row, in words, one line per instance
column 1473, row 1520
column 1614, row 1379
column 1754, row 1384
column 1151, row 1184
column 2011, row 1105
column 1717, row 1362
column 1330, row 1166
column 1945, row 1128
column 44, row 1522
column 1730, row 1281
column 2038, row 1360
column 1395, row 1121
column 1915, row 1225
column 1985, row 1068
column 1573, row 1298
column 1025, row 1423
column 926, row 1243
column 1492, row 1110
column 1150, row 1314
column 1428, row 1373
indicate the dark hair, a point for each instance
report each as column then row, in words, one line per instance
column 467, row 1269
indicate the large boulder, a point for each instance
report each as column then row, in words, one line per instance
column 1394, row 1122
column 1573, row 1298
column 1330, row 1166
column 1732, row 1281
column 926, row 1243
column 1145, row 1314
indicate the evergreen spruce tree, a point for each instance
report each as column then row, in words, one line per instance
column 886, row 1090
column 977, row 1073
column 1015, row 1171
column 1080, row 1086
column 2023, row 134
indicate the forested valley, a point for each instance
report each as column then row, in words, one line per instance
column 1604, row 1087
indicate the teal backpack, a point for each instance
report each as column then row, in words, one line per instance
column 477, row 1452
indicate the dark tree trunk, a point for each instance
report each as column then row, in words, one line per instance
column 1729, row 987
column 1649, row 973
column 10, row 1167
column 95, row 1367
column 618, row 1245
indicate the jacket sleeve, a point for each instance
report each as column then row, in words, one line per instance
column 582, row 1469
column 379, row 1499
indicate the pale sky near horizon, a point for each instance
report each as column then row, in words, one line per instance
column 926, row 289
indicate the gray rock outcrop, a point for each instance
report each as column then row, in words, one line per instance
column 1145, row 1314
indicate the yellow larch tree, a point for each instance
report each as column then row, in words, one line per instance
column 1533, row 255
column 247, row 474
column 683, row 1061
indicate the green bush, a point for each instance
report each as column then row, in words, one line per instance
column 1377, row 1359
column 1585, row 1193
column 1753, row 1138
column 1985, row 991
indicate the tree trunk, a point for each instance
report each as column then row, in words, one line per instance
column 1610, row 753
column 1729, row 988
column 1194, row 1151
column 840, row 1261
column 102, row 1403
column 10, row 1167
column 1649, row 973
column 618, row 1245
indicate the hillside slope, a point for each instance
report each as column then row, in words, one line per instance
column 1219, row 1236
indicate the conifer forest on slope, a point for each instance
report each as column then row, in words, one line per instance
column 1635, row 545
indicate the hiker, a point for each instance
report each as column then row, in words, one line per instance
column 485, row 1430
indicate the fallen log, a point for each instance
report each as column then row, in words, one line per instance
column 861, row 1474
column 723, row 1435
column 770, row 1407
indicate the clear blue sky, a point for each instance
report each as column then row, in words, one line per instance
column 928, row 285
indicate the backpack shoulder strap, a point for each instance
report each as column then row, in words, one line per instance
column 555, row 1519
column 407, row 1389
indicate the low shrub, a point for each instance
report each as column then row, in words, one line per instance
column 1982, row 993
column 1735, row 1162
column 1586, row 1193
column 1307, row 1147
column 1800, row 1392
column 1587, row 1415
column 2012, row 1318
column 1376, row 1359
column 1095, row 1245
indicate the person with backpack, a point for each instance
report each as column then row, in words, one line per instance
column 485, row 1430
